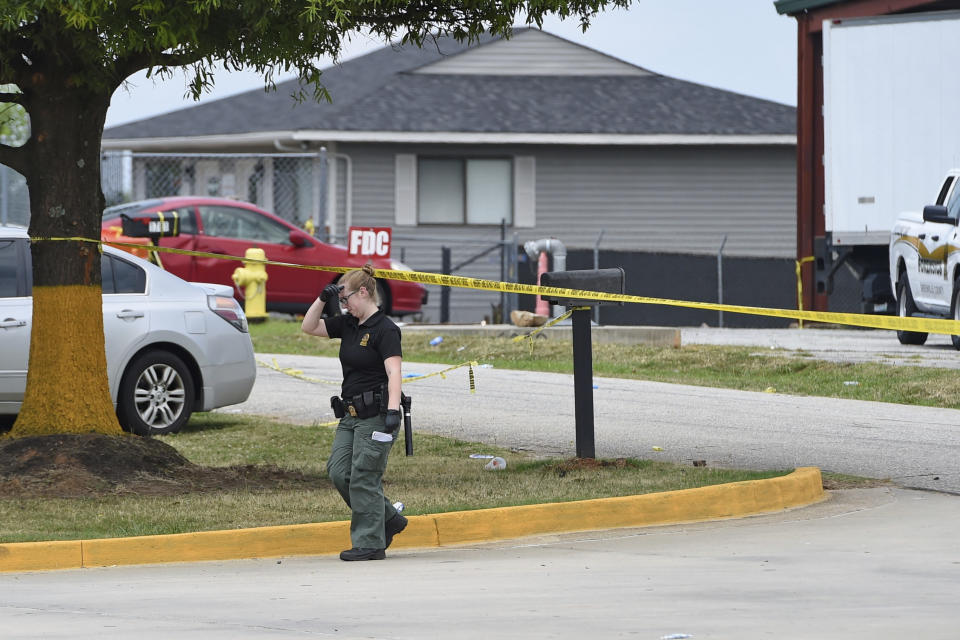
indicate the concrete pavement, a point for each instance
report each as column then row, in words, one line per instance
column 871, row 564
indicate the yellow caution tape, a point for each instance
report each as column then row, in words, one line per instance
column 295, row 373
column 928, row 325
column 444, row 372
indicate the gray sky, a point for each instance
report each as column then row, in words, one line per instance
column 738, row 45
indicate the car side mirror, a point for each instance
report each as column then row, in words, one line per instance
column 936, row 213
column 297, row 239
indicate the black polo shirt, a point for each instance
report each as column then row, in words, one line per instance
column 363, row 348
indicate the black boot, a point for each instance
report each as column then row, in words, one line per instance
column 393, row 526
column 362, row 554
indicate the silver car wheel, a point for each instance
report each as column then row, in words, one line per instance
column 159, row 396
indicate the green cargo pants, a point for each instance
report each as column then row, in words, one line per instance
column 356, row 467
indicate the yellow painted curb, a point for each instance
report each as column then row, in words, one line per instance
column 32, row 556
column 802, row 487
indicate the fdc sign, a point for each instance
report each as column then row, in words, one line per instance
column 369, row 241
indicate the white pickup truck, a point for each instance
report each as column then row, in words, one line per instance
column 925, row 260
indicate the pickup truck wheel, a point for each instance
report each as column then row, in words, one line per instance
column 906, row 308
column 956, row 311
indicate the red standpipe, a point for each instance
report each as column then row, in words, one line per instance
column 543, row 307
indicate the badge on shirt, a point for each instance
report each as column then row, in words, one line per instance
column 364, row 339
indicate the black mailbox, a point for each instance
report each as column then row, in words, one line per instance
column 160, row 224
column 602, row 280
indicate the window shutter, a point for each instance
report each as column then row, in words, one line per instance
column 524, row 192
column 405, row 196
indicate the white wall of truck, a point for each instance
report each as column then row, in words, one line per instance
column 891, row 120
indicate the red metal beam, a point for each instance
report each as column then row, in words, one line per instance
column 806, row 169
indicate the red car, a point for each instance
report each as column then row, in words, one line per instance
column 230, row 227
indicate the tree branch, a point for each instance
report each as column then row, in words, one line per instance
column 176, row 59
column 13, row 157
column 125, row 67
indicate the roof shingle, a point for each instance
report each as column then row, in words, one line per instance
column 377, row 92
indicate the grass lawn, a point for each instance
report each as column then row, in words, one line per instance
column 440, row 477
column 745, row 368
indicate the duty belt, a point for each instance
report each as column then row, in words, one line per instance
column 363, row 405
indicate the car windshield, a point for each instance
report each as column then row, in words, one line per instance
column 128, row 208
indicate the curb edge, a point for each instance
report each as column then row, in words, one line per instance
column 738, row 499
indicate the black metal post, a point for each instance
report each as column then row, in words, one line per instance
column 407, row 426
column 445, row 291
column 503, row 269
column 583, row 383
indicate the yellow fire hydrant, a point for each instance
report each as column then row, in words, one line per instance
column 253, row 277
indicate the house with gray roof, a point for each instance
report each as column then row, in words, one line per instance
column 532, row 137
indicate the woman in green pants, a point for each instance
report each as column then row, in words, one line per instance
column 368, row 407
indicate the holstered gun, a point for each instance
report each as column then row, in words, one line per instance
column 336, row 403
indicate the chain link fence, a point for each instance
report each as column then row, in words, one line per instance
column 847, row 294
column 288, row 184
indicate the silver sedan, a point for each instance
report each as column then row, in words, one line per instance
column 173, row 347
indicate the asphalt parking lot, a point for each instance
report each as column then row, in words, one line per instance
column 873, row 564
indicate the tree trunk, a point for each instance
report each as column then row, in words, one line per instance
column 67, row 386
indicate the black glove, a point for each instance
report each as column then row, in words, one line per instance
column 392, row 421
column 330, row 297
column 332, row 290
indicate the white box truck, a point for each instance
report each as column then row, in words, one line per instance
column 891, row 129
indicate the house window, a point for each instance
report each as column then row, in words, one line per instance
column 464, row 190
